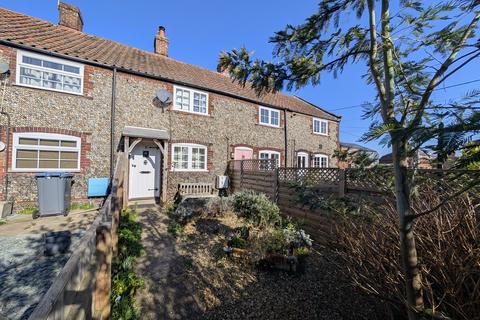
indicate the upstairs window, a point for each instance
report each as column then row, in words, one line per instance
column 269, row 117
column 45, row 152
column 320, row 126
column 48, row 73
column 320, row 161
column 191, row 100
column 189, row 157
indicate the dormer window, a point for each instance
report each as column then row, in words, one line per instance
column 37, row 71
column 192, row 101
column 320, row 126
column 269, row 117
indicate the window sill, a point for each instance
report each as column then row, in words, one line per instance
column 191, row 113
column 47, row 89
column 45, row 170
column 320, row 134
column 269, row 126
column 188, row 171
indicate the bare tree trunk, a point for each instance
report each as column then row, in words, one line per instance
column 413, row 283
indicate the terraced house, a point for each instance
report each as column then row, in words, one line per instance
column 72, row 100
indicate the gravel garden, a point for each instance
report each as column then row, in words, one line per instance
column 238, row 258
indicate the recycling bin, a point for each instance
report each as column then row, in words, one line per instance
column 54, row 193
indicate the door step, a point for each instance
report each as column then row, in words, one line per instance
column 144, row 204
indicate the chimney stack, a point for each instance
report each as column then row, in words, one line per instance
column 161, row 42
column 70, row 16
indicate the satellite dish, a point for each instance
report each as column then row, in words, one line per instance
column 2, row 146
column 164, row 96
column 4, row 68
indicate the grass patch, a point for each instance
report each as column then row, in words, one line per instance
column 28, row 210
column 125, row 282
column 82, row 206
column 2, row 222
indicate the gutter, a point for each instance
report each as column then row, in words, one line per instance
column 151, row 76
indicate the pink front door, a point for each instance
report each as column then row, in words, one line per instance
column 243, row 153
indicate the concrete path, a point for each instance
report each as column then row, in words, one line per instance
column 167, row 293
column 25, row 224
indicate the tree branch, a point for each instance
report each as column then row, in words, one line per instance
column 434, row 82
column 373, row 55
column 443, row 202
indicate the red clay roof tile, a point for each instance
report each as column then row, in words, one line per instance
column 17, row 28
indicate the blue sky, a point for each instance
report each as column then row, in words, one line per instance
column 199, row 30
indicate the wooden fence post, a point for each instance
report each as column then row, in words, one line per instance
column 342, row 183
column 101, row 298
column 241, row 174
column 277, row 185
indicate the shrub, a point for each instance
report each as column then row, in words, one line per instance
column 82, row 206
column 218, row 206
column 174, row 228
column 448, row 251
column 125, row 282
column 28, row 210
column 257, row 208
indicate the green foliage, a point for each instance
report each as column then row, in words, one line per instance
column 275, row 242
column 2, row 221
column 28, row 210
column 82, row 206
column 125, row 282
column 168, row 209
column 238, row 242
column 302, row 251
column 257, row 208
column 174, row 228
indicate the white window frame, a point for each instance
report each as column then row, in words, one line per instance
column 46, row 136
column 306, row 156
column 320, row 121
column 320, row 156
column 190, row 106
column 189, row 146
column 270, row 111
column 269, row 153
column 21, row 54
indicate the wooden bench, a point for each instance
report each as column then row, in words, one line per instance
column 195, row 189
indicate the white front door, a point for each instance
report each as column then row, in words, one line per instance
column 144, row 171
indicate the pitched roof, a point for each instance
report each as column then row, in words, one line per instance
column 356, row 146
column 36, row 34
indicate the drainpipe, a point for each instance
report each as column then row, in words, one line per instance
column 7, row 150
column 112, row 123
column 286, row 135
column 7, row 144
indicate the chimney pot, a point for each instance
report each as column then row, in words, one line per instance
column 70, row 16
column 161, row 42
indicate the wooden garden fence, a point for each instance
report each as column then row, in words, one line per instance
column 279, row 184
column 82, row 288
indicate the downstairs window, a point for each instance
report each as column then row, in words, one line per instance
column 33, row 152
